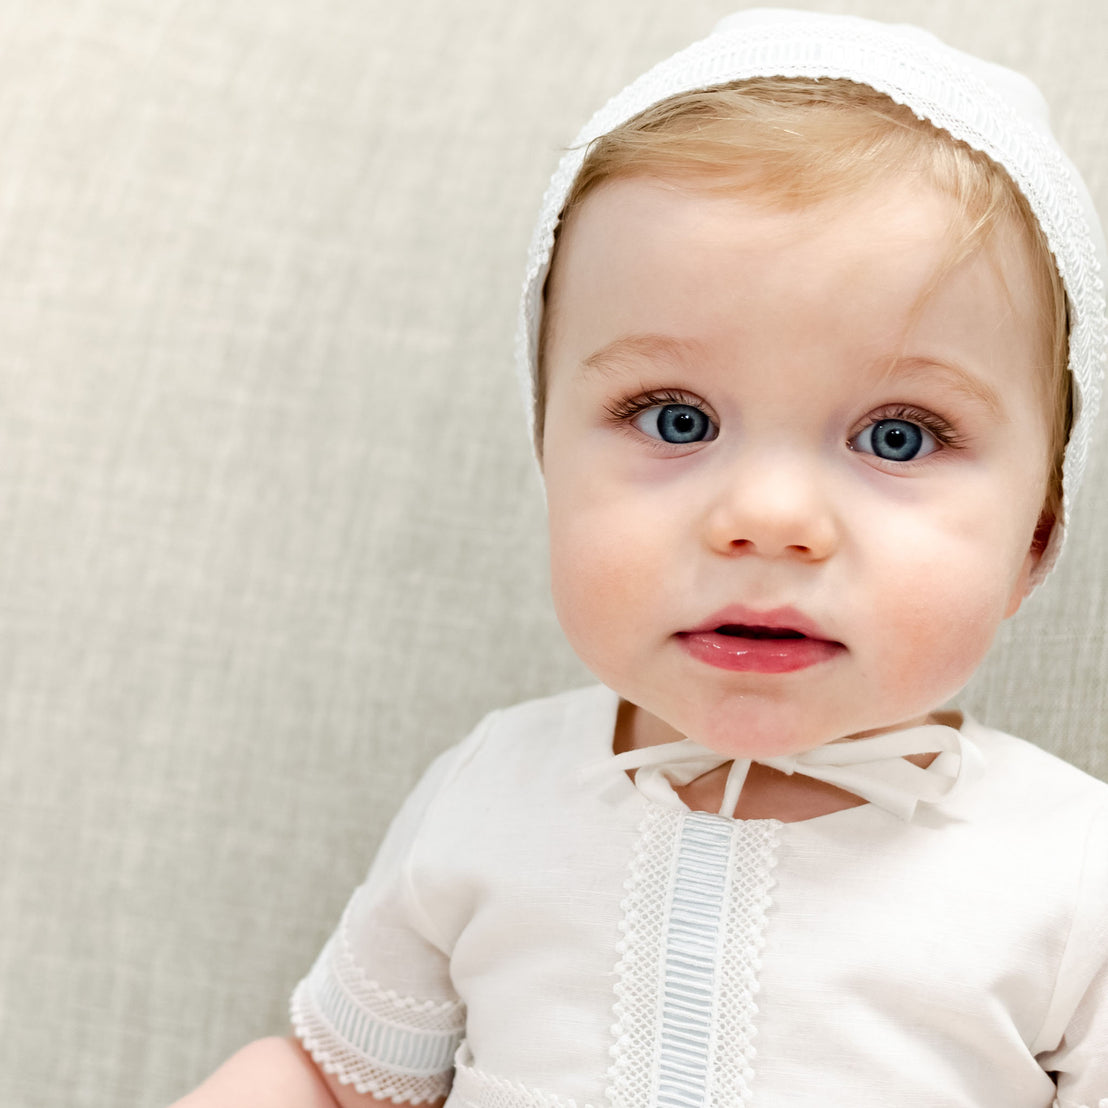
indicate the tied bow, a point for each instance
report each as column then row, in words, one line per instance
column 874, row 768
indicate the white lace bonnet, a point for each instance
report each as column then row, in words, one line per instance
column 993, row 109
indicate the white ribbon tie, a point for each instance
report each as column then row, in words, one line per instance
column 875, row 768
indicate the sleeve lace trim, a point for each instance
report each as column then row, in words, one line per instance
column 390, row 1046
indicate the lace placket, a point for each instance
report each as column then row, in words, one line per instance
column 687, row 979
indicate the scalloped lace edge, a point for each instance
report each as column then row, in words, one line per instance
column 321, row 1043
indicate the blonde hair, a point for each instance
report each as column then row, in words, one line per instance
column 801, row 141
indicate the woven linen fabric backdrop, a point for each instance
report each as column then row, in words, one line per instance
column 270, row 532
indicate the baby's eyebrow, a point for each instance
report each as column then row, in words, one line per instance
column 952, row 376
column 631, row 350
column 627, row 354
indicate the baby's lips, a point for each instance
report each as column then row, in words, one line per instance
column 743, row 631
column 753, row 623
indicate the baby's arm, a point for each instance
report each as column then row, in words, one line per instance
column 276, row 1073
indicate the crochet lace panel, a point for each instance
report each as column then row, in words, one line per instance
column 393, row 1047
column 929, row 79
column 687, row 979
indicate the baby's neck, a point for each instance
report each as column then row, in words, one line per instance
column 769, row 794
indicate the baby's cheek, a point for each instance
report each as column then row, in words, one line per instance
column 607, row 575
column 948, row 629
column 590, row 580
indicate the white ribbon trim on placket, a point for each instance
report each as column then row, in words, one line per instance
column 874, row 768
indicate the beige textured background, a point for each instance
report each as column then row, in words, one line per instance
column 269, row 531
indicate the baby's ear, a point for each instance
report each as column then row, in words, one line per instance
column 1039, row 542
column 1043, row 530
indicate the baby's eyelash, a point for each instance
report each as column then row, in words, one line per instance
column 929, row 421
column 626, row 408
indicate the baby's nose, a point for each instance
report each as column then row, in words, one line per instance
column 781, row 509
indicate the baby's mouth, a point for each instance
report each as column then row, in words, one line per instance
column 744, row 631
column 760, row 647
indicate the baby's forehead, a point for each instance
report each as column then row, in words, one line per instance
column 645, row 230
column 904, row 208
column 802, row 146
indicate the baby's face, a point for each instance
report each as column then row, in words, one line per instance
column 792, row 492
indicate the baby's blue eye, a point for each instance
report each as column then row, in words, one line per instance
column 895, row 440
column 676, row 423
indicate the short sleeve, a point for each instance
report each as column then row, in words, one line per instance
column 377, row 1009
column 1079, row 1061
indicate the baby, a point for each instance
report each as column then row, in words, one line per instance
column 812, row 335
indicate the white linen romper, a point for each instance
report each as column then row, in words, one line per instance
column 537, row 934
